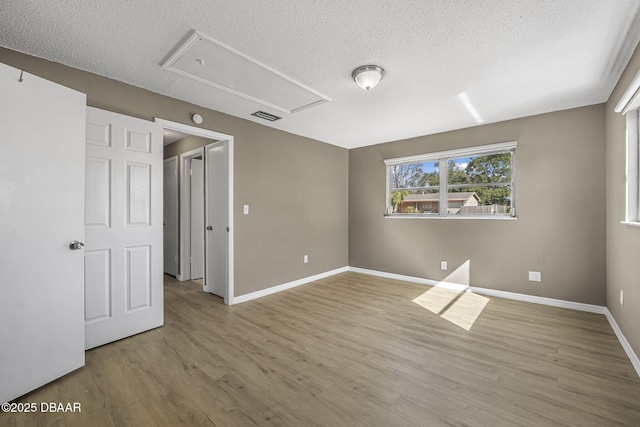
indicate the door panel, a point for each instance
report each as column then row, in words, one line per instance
column 138, row 194
column 98, row 178
column 42, row 157
column 98, row 302
column 124, row 256
column 197, row 219
column 170, row 203
column 138, row 278
column 217, row 190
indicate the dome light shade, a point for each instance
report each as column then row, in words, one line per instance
column 367, row 76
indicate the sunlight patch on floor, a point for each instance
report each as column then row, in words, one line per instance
column 437, row 298
column 466, row 310
column 454, row 302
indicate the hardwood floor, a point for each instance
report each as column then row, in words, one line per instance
column 352, row 350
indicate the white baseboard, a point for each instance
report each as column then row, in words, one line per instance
column 484, row 291
column 285, row 286
column 623, row 340
column 412, row 279
column 598, row 309
column 394, row 276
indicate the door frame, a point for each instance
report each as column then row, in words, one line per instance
column 218, row 136
column 185, row 213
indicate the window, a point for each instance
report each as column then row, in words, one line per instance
column 471, row 182
column 629, row 105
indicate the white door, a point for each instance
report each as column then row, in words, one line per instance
column 41, row 212
column 197, row 218
column 217, row 192
column 170, row 192
column 123, row 255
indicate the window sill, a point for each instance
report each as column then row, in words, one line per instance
column 491, row 218
column 630, row 223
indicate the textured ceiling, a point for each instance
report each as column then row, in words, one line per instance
column 508, row 58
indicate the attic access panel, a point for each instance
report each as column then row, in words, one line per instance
column 208, row 61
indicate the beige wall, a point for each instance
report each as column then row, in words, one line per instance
column 560, row 230
column 623, row 242
column 296, row 187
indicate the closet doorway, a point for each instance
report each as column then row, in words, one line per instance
column 206, row 208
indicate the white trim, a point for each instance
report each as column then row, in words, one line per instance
column 461, row 152
column 623, row 340
column 435, row 216
column 192, row 130
column 443, row 197
column 285, row 286
column 590, row 308
column 231, row 239
column 210, row 134
column 630, row 223
column 632, row 195
column 394, row 276
column 630, row 99
column 484, row 291
column 387, row 192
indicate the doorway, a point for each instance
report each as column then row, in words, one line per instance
column 206, row 211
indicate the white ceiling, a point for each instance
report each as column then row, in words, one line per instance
column 508, row 58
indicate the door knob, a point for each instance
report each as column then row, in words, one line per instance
column 75, row 245
column 209, row 227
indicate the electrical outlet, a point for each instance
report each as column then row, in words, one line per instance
column 245, row 210
column 306, row 259
column 443, row 265
column 535, row 276
column 621, row 297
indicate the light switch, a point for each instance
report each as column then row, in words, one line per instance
column 245, row 210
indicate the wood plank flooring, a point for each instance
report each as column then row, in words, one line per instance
column 351, row 350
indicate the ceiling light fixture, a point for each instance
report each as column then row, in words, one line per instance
column 367, row 76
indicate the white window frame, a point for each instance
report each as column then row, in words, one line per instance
column 629, row 106
column 442, row 157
